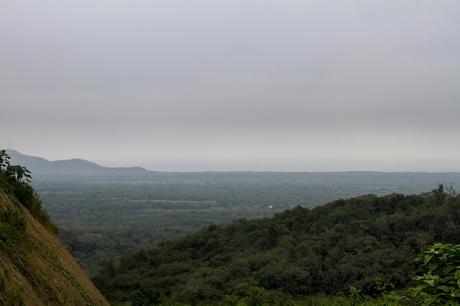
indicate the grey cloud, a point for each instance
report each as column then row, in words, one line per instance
column 233, row 82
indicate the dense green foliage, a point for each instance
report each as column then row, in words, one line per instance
column 368, row 242
column 100, row 217
column 15, row 181
column 438, row 278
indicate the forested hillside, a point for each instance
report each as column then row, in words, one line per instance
column 367, row 243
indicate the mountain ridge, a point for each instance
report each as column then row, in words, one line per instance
column 40, row 166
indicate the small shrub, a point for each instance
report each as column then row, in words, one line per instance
column 355, row 295
column 439, row 275
column 15, row 181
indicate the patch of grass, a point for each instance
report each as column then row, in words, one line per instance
column 12, row 230
column 15, row 298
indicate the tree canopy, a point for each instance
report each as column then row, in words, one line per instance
column 369, row 243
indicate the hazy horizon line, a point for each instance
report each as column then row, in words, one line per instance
column 238, row 165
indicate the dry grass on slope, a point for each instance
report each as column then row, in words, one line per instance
column 35, row 267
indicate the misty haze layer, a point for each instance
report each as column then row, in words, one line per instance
column 233, row 85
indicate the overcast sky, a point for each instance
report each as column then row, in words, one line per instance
column 233, row 84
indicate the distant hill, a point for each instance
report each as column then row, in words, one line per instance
column 368, row 242
column 70, row 167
